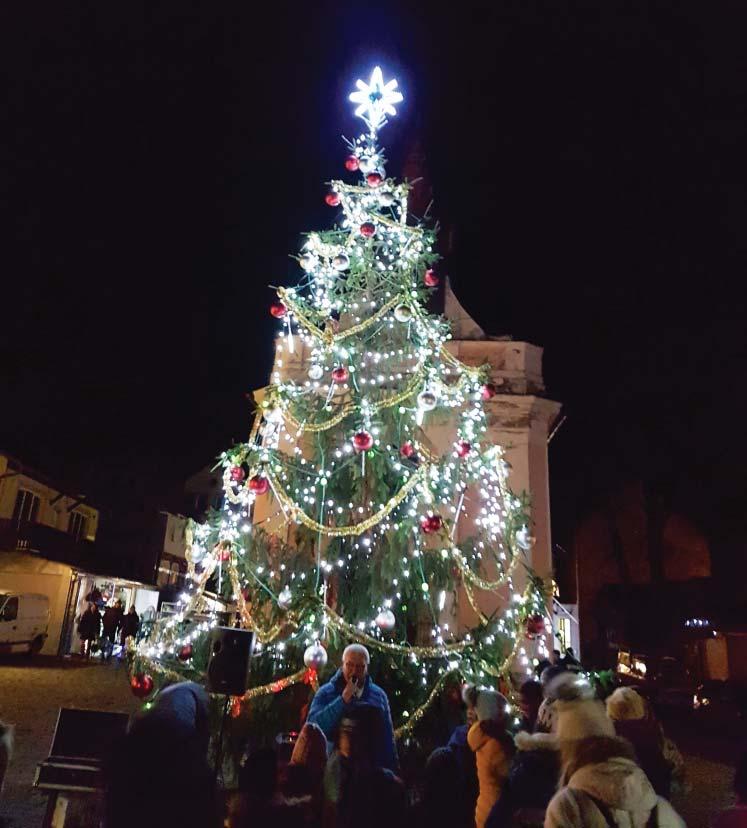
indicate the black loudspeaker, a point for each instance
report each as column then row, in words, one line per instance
column 229, row 660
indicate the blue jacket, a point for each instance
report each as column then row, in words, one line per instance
column 327, row 710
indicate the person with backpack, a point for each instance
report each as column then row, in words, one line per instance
column 601, row 786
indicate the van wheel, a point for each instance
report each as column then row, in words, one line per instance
column 36, row 645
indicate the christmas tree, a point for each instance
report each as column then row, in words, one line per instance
column 367, row 504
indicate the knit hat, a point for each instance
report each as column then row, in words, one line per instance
column 625, row 704
column 490, row 705
column 582, row 719
column 567, row 686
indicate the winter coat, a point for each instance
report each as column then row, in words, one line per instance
column 468, row 784
column 130, row 624
column 328, row 708
column 112, row 619
column 89, row 625
column 648, row 743
column 493, row 757
column 608, row 793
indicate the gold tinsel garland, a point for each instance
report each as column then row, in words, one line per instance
column 405, row 728
column 265, row 634
column 350, row 407
column 474, row 578
column 252, row 693
column 473, row 603
column 327, row 335
column 363, row 638
column 299, row 515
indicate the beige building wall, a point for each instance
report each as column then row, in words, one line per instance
column 55, row 509
column 25, row 573
column 21, row 572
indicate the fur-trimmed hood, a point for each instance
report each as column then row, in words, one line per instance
column 601, row 784
column 618, row 782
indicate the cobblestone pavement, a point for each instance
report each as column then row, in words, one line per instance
column 31, row 693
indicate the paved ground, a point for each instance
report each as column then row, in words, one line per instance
column 710, row 755
column 31, row 692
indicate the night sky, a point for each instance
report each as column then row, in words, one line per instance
column 160, row 162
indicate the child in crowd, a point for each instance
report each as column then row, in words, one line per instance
column 492, row 745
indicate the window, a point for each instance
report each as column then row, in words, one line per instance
column 26, row 509
column 10, row 610
column 77, row 525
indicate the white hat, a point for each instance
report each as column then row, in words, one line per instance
column 582, row 719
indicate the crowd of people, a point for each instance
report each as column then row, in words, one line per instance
column 575, row 762
column 101, row 631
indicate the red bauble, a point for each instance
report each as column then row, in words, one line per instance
column 340, row 374
column 407, row 450
column 235, row 707
column 430, row 278
column 535, row 625
column 185, row 652
column 363, row 441
column 225, row 554
column 237, row 474
column 278, row 310
column 333, row 199
column 488, row 391
column 431, row 523
column 368, row 228
column 352, row 163
column 463, row 448
column 141, row 685
column 374, row 179
column 259, row 485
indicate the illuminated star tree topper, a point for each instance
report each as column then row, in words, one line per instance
column 376, row 99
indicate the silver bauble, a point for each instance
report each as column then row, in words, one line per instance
column 523, row 539
column 368, row 164
column 385, row 620
column 316, row 372
column 403, row 313
column 285, row 598
column 195, row 553
column 307, row 261
column 341, row 262
column 427, row 400
column 315, row 657
column 386, row 199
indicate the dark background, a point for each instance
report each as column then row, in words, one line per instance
column 160, row 162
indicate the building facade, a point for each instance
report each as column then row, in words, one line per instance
column 48, row 546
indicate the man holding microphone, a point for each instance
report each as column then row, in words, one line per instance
column 351, row 687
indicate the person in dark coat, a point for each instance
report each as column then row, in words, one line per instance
column 130, row 625
column 442, row 803
column 160, row 775
column 89, row 627
column 359, row 793
column 530, row 701
column 348, row 688
column 467, row 765
column 629, row 712
column 111, row 623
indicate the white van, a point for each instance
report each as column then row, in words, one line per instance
column 24, row 621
